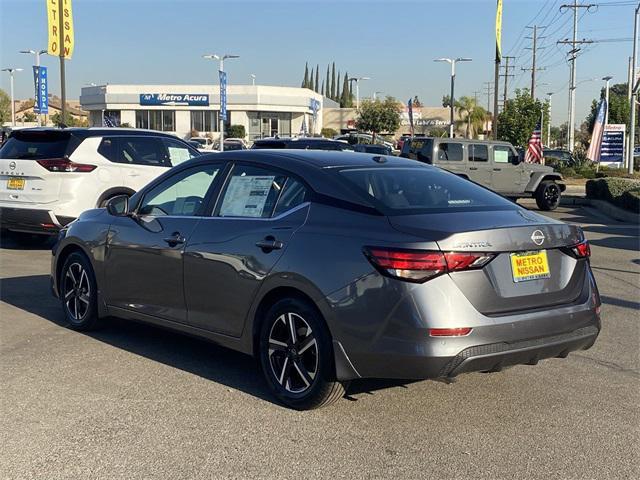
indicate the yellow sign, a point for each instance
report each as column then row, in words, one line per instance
column 60, row 20
column 529, row 266
column 499, row 31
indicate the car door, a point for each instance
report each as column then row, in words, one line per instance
column 479, row 167
column 230, row 253
column 142, row 159
column 144, row 254
column 507, row 171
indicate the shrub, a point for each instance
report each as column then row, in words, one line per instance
column 328, row 132
column 623, row 192
column 235, row 131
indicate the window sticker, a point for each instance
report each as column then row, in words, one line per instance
column 501, row 156
column 246, row 196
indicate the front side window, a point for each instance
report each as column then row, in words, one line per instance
column 450, row 152
column 478, row 153
column 403, row 191
column 180, row 195
column 504, row 154
column 251, row 192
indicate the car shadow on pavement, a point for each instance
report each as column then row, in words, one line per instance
column 190, row 354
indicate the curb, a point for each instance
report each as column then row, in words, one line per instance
column 605, row 207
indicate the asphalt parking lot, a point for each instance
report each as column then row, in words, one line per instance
column 132, row 401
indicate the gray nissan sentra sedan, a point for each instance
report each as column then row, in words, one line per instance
column 333, row 266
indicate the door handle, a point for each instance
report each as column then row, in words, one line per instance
column 497, row 169
column 269, row 243
column 473, row 168
column 174, row 239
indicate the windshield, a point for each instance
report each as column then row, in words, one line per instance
column 35, row 145
column 404, row 191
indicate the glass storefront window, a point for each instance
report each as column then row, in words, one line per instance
column 204, row 120
column 161, row 120
column 269, row 124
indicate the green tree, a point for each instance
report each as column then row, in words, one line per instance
column 338, row 94
column 305, row 81
column 5, row 107
column 519, row 118
column 416, row 102
column 69, row 121
column 29, row 117
column 310, row 86
column 333, row 82
column 472, row 115
column 317, row 85
column 446, row 101
column 618, row 106
column 327, row 84
column 379, row 116
column 328, row 132
column 345, row 98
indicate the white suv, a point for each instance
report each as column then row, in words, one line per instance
column 48, row 176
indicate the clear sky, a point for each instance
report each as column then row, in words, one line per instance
column 393, row 42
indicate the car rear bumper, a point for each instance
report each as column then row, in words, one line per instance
column 31, row 220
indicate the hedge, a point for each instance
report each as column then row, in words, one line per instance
column 623, row 192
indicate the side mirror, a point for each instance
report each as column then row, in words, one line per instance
column 118, row 206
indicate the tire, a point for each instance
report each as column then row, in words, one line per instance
column 548, row 195
column 78, row 293
column 300, row 373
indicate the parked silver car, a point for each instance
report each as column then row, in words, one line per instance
column 333, row 266
column 496, row 165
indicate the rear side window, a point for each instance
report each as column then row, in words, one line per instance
column 293, row 194
column 403, row 191
column 143, row 151
column 478, row 153
column 108, row 148
column 36, row 145
column 449, row 152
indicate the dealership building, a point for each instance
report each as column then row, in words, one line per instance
column 264, row 111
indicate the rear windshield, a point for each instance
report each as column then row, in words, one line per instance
column 36, row 145
column 408, row 191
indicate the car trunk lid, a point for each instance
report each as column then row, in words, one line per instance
column 502, row 287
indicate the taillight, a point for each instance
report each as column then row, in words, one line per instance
column 65, row 165
column 422, row 265
column 449, row 332
column 582, row 250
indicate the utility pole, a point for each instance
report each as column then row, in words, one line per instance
column 489, row 87
column 506, row 79
column 549, row 95
column 634, row 91
column 534, row 51
column 575, row 6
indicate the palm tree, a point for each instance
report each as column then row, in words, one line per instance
column 472, row 115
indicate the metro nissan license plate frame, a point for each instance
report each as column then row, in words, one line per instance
column 532, row 265
column 16, row 183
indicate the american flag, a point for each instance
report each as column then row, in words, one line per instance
column 593, row 153
column 534, row 150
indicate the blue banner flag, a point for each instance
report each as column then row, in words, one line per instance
column 223, row 96
column 41, row 96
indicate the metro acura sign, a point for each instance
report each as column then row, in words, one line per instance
column 185, row 99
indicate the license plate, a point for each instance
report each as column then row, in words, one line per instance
column 15, row 183
column 529, row 266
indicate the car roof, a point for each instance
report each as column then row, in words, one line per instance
column 294, row 139
column 86, row 132
column 462, row 140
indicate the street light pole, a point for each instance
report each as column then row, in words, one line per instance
column 606, row 97
column 452, row 62
column 221, row 59
column 13, row 104
column 634, row 94
column 37, row 54
column 357, row 80
column 549, row 95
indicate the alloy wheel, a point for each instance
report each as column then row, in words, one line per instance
column 552, row 194
column 77, row 291
column 293, row 353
